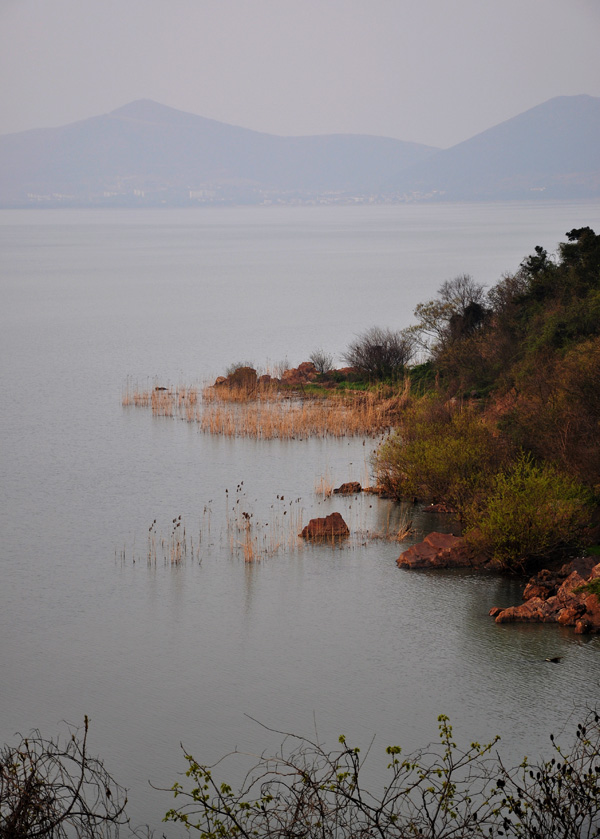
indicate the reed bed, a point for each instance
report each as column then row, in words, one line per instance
column 398, row 531
column 242, row 392
column 266, row 413
column 253, row 539
column 362, row 414
column 181, row 402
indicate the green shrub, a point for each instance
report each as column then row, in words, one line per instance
column 422, row 377
column 532, row 513
column 593, row 587
column 442, row 453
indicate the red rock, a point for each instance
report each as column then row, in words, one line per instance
column 573, row 581
column 541, row 590
column 568, row 607
column 569, row 615
column 307, row 368
column 349, row 488
column 439, row 550
column 330, row 528
column 582, row 564
column 535, row 610
column 302, row 374
column 583, row 626
column 543, row 585
column 592, row 610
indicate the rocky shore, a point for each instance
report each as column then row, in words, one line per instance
column 564, row 596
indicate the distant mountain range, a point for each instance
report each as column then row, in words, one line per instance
column 146, row 154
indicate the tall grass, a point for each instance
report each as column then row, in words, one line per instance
column 264, row 412
column 251, row 538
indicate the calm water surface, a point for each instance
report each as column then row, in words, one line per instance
column 155, row 654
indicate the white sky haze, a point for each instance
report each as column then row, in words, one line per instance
column 430, row 71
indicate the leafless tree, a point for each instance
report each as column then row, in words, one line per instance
column 380, row 353
column 54, row 789
column 322, row 360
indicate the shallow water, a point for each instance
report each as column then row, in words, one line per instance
column 156, row 654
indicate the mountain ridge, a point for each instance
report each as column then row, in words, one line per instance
column 554, row 143
column 148, row 154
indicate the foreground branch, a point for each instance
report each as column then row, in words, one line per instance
column 445, row 792
column 54, row 788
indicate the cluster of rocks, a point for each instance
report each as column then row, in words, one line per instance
column 560, row 597
column 303, row 374
column 549, row 597
column 440, row 550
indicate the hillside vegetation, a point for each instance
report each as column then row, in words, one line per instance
column 503, row 423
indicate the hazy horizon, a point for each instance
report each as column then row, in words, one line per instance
column 433, row 74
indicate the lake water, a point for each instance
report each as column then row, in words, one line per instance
column 158, row 654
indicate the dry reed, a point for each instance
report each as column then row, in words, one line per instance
column 256, row 540
column 324, row 485
column 263, row 412
column 173, row 549
column 402, row 529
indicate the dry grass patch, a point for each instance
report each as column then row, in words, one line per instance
column 262, row 411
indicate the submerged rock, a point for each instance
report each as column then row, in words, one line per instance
column 349, row 488
column 440, row 550
column 330, row 528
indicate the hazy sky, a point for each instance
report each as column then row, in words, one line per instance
column 431, row 71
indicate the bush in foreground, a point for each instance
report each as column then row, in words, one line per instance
column 441, row 793
column 54, row 788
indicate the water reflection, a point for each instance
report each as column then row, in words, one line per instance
column 158, row 654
